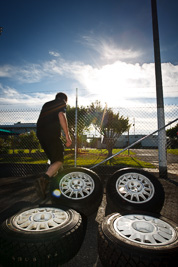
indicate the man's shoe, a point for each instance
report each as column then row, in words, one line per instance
column 41, row 186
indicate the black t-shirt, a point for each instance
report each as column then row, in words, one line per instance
column 48, row 121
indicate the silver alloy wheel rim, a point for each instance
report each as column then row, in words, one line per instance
column 145, row 230
column 40, row 219
column 76, row 185
column 135, row 188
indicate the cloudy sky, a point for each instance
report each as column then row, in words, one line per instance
column 102, row 47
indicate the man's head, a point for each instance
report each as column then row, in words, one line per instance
column 61, row 96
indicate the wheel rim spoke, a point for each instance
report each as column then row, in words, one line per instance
column 144, row 230
column 40, row 219
column 135, row 188
column 76, row 185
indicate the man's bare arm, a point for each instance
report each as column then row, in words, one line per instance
column 64, row 124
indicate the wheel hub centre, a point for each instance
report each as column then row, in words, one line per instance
column 134, row 186
column 43, row 217
column 143, row 227
column 77, row 184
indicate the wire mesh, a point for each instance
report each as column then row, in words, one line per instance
column 101, row 132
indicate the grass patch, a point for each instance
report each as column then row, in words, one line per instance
column 133, row 162
column 173, row 151
column 85, row 157
column 95, row 151
column 23, row 151
column 93, row 157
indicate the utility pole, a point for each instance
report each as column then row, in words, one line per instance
column 76, row 121
column 159, row 94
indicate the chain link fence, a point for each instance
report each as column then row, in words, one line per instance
column 101, row 132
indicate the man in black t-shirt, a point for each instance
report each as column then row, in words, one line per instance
column 52, row 117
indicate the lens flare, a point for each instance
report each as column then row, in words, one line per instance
column 56, row 193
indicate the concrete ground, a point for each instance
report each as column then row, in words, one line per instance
column 151, row 156
column 19, row 192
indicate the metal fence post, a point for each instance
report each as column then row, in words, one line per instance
column 76, row 128
column 159, row 93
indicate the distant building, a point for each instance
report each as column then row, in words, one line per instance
column 125, row 140
column 19, row 127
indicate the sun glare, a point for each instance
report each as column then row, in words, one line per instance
column 116, row 82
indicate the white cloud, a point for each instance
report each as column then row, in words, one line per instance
column 54, row 54
column 112, row 83
column 170, row 79
column 6, row 71
column 108, row 51
column 29, row 73
column 112, row 80
column 10, row 96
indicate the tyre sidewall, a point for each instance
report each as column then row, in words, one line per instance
column 117, row 203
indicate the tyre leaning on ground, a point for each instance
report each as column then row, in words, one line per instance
column 134, row 189
column 78, row 188
column 137, row 240
column 41, row 236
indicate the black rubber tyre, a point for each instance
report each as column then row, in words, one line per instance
column 41, row 236
column 134, row 189
column 119, row 248
column 78, row 188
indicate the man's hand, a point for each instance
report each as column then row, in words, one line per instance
column 68, row 141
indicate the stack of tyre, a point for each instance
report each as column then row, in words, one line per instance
column 132, row 234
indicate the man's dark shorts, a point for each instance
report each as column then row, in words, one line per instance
column 52, row 146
